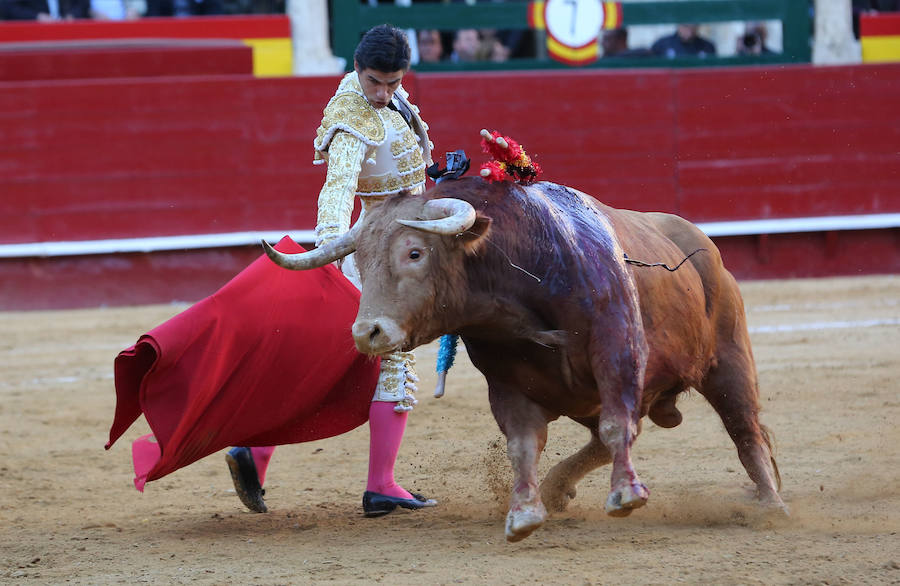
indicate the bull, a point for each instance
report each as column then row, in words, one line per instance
column 538, row 283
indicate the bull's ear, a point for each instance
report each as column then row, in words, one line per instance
column 475, row 238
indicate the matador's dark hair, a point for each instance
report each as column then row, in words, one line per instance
column 383, row 48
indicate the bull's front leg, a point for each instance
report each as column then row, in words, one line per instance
column 526, row 511
column 525, row 426
column 620, row 389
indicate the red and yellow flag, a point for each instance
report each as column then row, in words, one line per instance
column 879, row 35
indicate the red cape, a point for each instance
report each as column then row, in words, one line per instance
column 266, row 360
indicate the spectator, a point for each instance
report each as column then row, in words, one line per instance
column 491, row 49
column 113, row 10
column 44, row 10
column 684, row 42
column 615, row 44
column 466, row 42
column 184, row 7
column 520, row 42
column 871, row 6
column 753, row 41
column 431, row 48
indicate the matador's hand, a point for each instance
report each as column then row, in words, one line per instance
column 325, row 239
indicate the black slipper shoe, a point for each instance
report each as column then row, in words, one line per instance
column 246, row 480
column 376, row 504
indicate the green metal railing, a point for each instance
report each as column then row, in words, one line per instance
column 351, row 18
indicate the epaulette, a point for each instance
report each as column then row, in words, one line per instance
column 348, row 111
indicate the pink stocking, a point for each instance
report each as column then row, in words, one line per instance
column 261, row 457
column 386, row 428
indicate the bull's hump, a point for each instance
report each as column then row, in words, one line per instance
column 576, row 222
column 591, row 260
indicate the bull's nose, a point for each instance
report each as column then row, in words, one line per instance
column 374, row 336
column 365, row 332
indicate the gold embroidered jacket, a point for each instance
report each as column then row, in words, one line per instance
column 370, row 152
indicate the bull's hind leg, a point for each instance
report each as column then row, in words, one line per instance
column 559, row 486
column 627, row 492
column 619, row 373
column 731, row 388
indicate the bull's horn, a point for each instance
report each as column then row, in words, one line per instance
column 318, row 257
column 447, row 215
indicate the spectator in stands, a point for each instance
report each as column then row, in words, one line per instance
column 684, row 42
column 520, row 42
column 753, row 41
column 466, row 43
column 184, row 7
column 431, row 48
column 492, row 49
column 871, row 6
column 113, row 10
column 615, row 44
column 44, row 10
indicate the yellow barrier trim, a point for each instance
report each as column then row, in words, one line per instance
column 271, row 57
column 880, row 49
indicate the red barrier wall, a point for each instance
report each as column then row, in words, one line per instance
column 149, row 157
column 130, row 58
column 709, row 144
column 610, row 134
column 808, row 141
column 258, row 26
column 163, row 156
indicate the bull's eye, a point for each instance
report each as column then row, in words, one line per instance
column 415, row 254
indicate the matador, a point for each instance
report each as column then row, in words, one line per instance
column 375, row 144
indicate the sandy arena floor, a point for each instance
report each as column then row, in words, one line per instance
column 828, row 354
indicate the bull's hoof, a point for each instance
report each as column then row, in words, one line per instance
column 522, row 521
column 557, row 494
column 773, row 505
column 623, row 500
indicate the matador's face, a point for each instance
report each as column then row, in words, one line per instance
column 379, row 86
